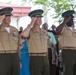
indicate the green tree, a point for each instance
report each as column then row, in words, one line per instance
column 59, row 6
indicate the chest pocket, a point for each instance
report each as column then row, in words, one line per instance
column 4, row 36
column 68, row 32
column 44, row 35
column 44, row 38
column 14, row 38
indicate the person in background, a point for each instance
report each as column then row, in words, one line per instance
column 53, row 29
column 25, row 58
column 67, row 43
column 21, row 29
column 9, row 60
column 24, row 55
column 38, row 42
column 51, row 51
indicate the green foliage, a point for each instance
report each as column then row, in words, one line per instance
column 25, row 1
column 59, row 6
column 9, row 2
column 41, row 2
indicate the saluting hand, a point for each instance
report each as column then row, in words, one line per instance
column 33, row 20
column 67, row 19
column 26, row 31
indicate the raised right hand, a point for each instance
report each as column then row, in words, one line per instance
column 67, row 19
column 33, row 20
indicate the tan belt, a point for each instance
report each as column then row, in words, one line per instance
column 9, row 51
column 38, row 54
column 69, row 48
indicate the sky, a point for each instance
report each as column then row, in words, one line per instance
column 23, row 20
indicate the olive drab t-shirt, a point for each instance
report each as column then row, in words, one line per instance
column 37, row 43
column 67, row 38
